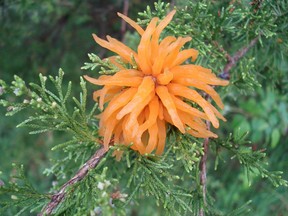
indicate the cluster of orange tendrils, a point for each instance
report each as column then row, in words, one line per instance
column 140, row 102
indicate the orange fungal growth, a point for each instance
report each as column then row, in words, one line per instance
column 141, row 102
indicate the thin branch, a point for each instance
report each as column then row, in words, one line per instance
column 172, row 4
column 232, row 61
column 203, row 168
column 221, row 49
column 58, row 197
column 123, row 23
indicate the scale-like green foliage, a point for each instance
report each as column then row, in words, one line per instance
column 105, row 66
column 92, row 196
column 252, row 160
column 169, row 183
column 20, row 193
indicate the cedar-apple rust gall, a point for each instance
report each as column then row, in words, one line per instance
column 141, row 102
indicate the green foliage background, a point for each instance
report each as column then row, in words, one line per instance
column 42, row 37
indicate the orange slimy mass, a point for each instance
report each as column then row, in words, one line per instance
column 141, row 102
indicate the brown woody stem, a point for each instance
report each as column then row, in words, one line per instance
column 232, row 61
column 123, row 23
column 203, row 169
column 58, row 197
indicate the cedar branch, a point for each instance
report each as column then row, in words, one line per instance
column 123, row 23
column 203, row 169
column 58, row 197
column 232, row 61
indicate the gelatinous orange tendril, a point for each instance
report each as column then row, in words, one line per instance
column 141, row 102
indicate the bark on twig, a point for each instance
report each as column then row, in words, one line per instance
column 203, row 169
column 58, row 197
column 123, row 23
column 232, row 61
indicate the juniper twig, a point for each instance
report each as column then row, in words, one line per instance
column 203, row 169
column 58, row 197
column 232, row 61
column 123, row 23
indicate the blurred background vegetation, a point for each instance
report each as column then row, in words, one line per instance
column 43, row 36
